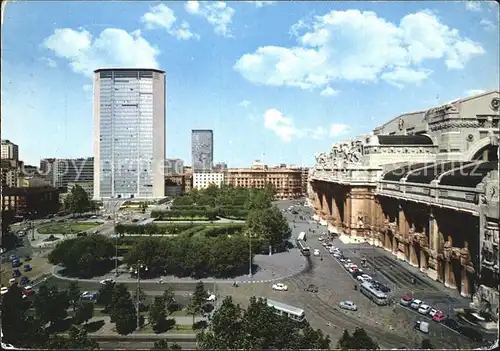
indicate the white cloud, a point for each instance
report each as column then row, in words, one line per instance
column 358, row 46
column 329, row 91
column 161, row 16
column 217, row 13
column 49, row 62
column 284, row 127
column 474, row 6
column 112, row 48
column 473, row 92
column 244, row 103
column 488, row 25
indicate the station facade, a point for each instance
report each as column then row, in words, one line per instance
column 423, row 186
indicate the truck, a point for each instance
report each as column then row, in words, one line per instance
column 422, row 326
column 302, row 236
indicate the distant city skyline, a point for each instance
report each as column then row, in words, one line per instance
column 264, row 82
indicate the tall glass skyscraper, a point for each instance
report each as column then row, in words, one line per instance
column 202, row 149
column 129, row 133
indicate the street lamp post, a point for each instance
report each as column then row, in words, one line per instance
column 249, row 255
column 138, row 297
column 32, row 225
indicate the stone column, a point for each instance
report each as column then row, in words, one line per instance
column 423, row 260
column 413, row 255
column 434, row 268
column 449, row 277
column 465, row 284
column 403, row 231
column 348, row 214
column 336, row 210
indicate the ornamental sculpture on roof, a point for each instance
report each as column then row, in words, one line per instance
column 341, row 155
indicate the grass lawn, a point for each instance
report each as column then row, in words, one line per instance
column 178, row 328
column 39, row 265
column 67, row 228
column 180, row 313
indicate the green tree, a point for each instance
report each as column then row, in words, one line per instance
column 269, row 225
column 158, row 314
column 163, row 345
column 122, row 310
column 51, row 304
column 13, row 312
column 359, row 340
column 198, row 299
column 168, row 299
column 258, row 327
column 142, row 297
column 426, row 345
column 83, row 256
column 105, row 295
column 73, row 294
column 79, row 340
column 84, row 312
column 77, row 201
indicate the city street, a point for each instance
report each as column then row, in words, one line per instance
column 139, row 345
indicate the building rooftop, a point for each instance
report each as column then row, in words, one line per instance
column 401, row 172
column 404, row 140
column 7, row 191
column 128, row 69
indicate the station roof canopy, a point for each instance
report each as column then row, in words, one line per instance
column 401, row 172
column 467, row 174
column 404, row 140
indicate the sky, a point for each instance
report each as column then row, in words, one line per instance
column 276, row 81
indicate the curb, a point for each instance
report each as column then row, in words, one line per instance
column 227, row 281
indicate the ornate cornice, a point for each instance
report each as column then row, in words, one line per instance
column 454, row 124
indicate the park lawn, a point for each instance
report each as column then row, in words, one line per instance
column 67, row 228
column 180, row 313
column 39, row 265
column 178, row 328
column 176, row 219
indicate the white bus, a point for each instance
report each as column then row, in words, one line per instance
column 306, row 251
column 302, row 236
column 282, row 309
column 374, row 294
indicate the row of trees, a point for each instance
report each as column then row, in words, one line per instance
column 78, row 201
column 180, row 229
column 199, row 256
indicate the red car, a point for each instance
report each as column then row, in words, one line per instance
column 28, row 290
column 439, row 316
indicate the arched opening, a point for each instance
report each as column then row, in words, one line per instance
column 486, row 153
column 418, row 251
column 457, row 273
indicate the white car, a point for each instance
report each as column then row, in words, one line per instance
column 337, row 254
column 316, row 252
column 320, row 238
column 347, row 263
column 107, row 281
column 280, row 287
column 348, row 305
column 433, row 311
column 4, row 290
column 416, row 304
column 353, row 268
column 424, row 309
column 211, row 298
column 363, row 277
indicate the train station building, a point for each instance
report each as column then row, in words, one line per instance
column 423, row 186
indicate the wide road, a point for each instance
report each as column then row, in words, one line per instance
column 139, row 345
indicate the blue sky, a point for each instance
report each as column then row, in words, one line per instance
column 284, row 79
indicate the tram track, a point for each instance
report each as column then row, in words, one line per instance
column 341, row 320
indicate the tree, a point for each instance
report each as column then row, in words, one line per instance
column 83, row 256
column 79, row 340
column 105, row 295
column 426, row 345
column 77, row 201
column 51, row 304
column 359, row 340
column 73, row 294
column 13, row 310
column 168, row 298
column 142, row 297
column 122, row 310
column 198, row 299
column 158, row 314
column 269, row 225
column 163, row 345
column 84, row 312
column 259, row 327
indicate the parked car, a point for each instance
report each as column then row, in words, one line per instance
column 424, row 309
column 316, row 252
column 28, row 290
column 422, row 326
column 406, row 300
column 438, row 316
column 320, row 238
column 311, row 288
column 27, row 268
column 348, row 305
column 27, row 258
column 416, row 304
column 16, row 263
column 352, row 268
column 363, row 277
column 16, row 273
column 280, row 287
column 381, row 287
column 24, row 280
column 88, row 296
column 357, row 273
column 4, row 290
column 432, row 312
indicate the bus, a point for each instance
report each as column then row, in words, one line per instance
column 302, row 236
column 374, row 294
column 303, row 248
column 282, row 309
